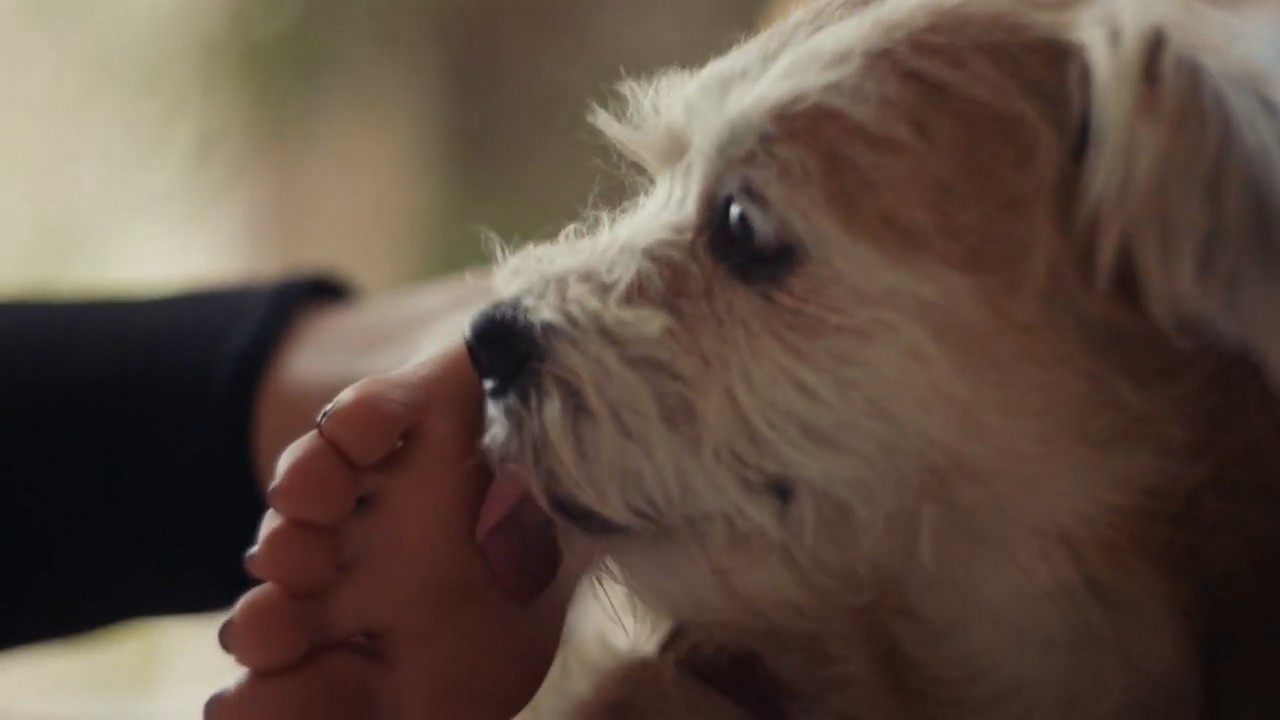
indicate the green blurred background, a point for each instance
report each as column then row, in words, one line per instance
column 148, row 146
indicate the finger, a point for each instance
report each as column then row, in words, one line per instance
column 300, row 558
column 269, row 629
column 330, row 685
column 367, row 420
column 314, row 483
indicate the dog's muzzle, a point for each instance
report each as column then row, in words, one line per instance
column 503, row 344
column 585, row 519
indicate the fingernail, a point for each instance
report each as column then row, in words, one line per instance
column 249, row 555
column 212, row 703
column 363, row 503
column 224, row 635
column 272, row 489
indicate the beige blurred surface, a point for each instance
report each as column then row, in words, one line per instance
column 99, row 130
column 137, row 158
column 161, row 669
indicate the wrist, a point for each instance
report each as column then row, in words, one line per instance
column 295, row 385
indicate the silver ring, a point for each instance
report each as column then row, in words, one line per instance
column 324, row 415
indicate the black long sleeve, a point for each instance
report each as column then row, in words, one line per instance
column 126, row 478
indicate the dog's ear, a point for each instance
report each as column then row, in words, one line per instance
column 1181, row 166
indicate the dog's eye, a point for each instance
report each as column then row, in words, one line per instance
column 746, row 240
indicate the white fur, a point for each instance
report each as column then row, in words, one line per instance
column 964, row 463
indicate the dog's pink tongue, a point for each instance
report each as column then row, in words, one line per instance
column 517, row 538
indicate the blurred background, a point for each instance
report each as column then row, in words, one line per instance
column 148, row 146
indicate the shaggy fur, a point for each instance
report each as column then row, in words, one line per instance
column 992, row 445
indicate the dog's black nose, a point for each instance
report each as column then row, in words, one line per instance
column 503, row 344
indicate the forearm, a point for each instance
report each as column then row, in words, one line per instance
column 126, row 482
column 135, row 436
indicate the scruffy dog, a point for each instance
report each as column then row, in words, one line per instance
column 922, row 379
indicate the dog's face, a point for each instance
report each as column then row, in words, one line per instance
column 837, row 334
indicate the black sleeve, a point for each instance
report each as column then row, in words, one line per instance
column 126, row 477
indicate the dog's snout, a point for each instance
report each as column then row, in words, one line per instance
column 586, row 519
column 503, row 344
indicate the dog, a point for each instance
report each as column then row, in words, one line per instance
column 927, row 375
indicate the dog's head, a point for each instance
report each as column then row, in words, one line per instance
column 908, row 279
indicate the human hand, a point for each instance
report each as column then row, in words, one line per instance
column 337, row 343
column 378, row 601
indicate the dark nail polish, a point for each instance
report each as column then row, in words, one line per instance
column 363, row 503
column 224, row 635
column 212, row 703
